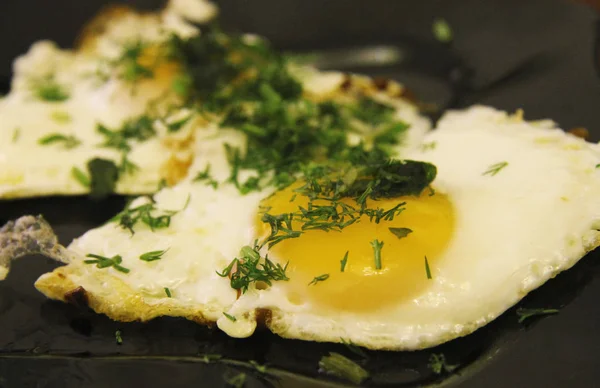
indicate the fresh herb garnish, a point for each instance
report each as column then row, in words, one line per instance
column 438, row 364
column 400, row 232
column 429, row 146
column 344, row 261
column 80, row 176
column 598, row 165
column 118, row 337
column 16, row 134
column 319, row 278
column 354, row 348
column 130, row 63
column 442, row 31
column 259, row 368
column 153, row 255
column 103, row 177
column 204, row 176
column 427, row 270
column 329, row 185
column 68, row 141
column 105, row 262
column 138, row 129
column 526, row 313
column 377, row 245
column 337, row 365
column 237, row 381
column 146, row 214
column 495, row 168
column 209, row 358
column 47, row 89
column 251, row 268
column 230, row 317
column 168, row 292
column 126, row 166
column 61, row 117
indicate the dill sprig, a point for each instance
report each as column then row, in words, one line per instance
column 145, row 214
column 495, row 168
column 337, row 365
column 320, row 278
column 527, row 313
column 67, row 141
column 251, row 268
column 105, row 262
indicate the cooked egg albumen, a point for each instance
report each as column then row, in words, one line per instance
column 515, row 203
column 490, row 234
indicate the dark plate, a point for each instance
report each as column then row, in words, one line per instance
column 535, row 55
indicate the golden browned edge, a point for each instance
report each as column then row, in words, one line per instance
column 121, row 303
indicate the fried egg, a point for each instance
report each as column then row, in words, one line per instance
column 513, row 204
column 59, row 97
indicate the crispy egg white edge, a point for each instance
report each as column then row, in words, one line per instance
column 454, row 305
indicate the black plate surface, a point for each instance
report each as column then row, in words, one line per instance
column 510, row 54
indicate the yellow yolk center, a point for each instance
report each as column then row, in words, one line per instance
column 361, row 286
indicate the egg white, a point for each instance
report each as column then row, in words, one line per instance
column 514, row 230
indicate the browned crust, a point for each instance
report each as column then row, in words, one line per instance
column 120, row 302
column 176, row 168
column 580, row 132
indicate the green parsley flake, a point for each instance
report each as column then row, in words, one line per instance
column 67, row 141
column 495, row 168
column 230, row 317
column 81, row 177
column 210, row 358
column 438, row 364
column 318, row 279
column 377, row 245
column 400, row 232
column 153, row 255
column 429, row 146
column 259, row 368
column 354, row 348
column 47, row 89
column 441, row 30
column 337, row 365
column 118, row 337
column 252, row 268
column 344, row 261
column 105, row 262
column 427, row 270
column 168, row 292
column 204, row 176
column 237, row 381
column 146, row 214
column 526, row 313
column 103, row 177
column 16, row 134
column 61, row 117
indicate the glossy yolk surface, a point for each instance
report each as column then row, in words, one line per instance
column 361, row 287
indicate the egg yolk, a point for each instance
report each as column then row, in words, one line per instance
column 361, row 286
